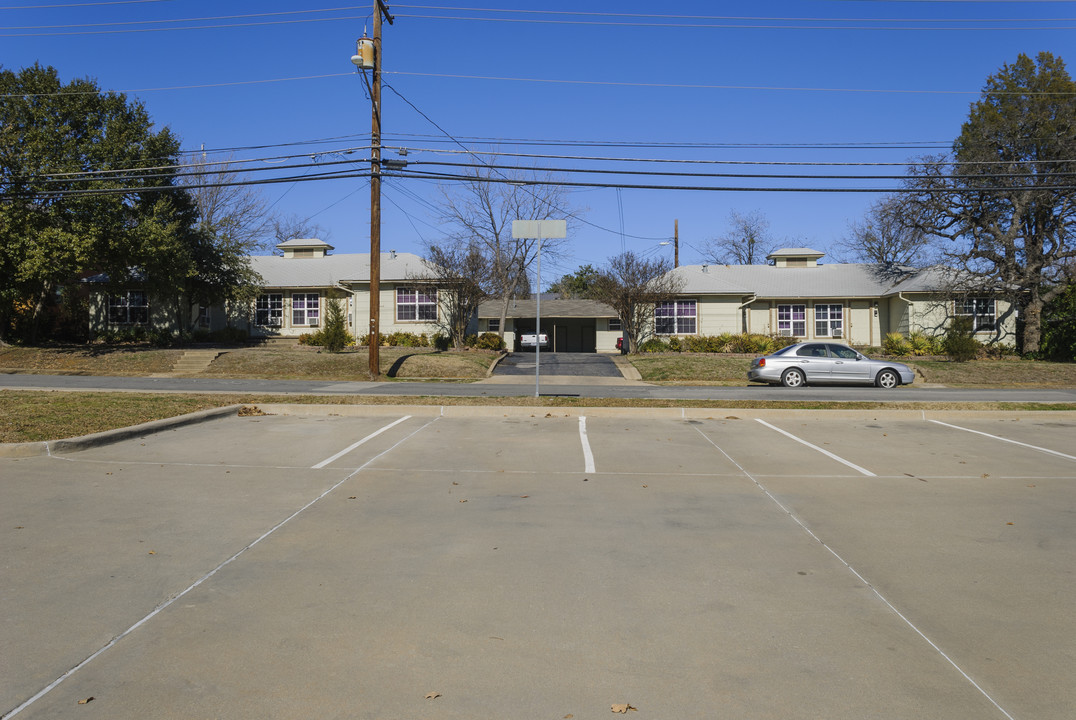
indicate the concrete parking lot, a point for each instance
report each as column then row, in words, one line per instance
column 418, row 562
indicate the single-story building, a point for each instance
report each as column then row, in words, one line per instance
column 795, row 296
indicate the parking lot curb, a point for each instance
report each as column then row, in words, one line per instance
column 107, row 437
column 516, row 411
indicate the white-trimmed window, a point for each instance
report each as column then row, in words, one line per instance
column 675, row 318
column 269, row 310
column 128, row 308
column 614, row 324
column 304, row 310
column 792, row 320
column 416, row 304
column 982, row 311
column 828, row 320
column 493, row 325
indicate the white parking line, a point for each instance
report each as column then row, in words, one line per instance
column 349, row 448
column 1014, row 442
column 588, row 456
column 172, row 600
column 827, row 453
column 845, row 563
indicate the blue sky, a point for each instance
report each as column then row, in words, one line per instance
column 750, row 82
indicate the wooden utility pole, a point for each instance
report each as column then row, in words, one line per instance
column 676, row 243
column 375, row 194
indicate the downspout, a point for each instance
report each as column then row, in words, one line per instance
column 743, row 319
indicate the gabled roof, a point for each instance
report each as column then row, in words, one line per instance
column 334, row 270
column 553, row 308
column 823, row 281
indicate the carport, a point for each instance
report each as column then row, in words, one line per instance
column 574, row 326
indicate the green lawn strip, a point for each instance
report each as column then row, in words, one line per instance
column 708, row 369
column 34, row 416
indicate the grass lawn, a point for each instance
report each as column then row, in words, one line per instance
column 719, row 369
column 284, row 361
column 35, row 416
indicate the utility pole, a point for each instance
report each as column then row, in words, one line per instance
column 380, row 8
column 676, row 243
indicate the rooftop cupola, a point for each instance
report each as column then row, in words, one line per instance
column 305, row 248
column 795, row 257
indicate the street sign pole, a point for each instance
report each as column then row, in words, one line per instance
column 551, row 229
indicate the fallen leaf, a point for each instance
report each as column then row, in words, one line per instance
column 1010, row 523
column 152, row 552
column 623, row 708
column 463, row 501
column 432, row 695
column 455, row 483
column 87, row 700
column 986, row 475
column 569, row 716
column 646, row 486
column 524, row 496
column 353, row 497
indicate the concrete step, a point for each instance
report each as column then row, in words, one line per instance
column 194, row 361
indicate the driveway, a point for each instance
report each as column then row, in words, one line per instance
column 558, row 364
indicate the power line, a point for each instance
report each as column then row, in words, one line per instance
column 699, row 86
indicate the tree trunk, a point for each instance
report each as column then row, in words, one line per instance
column 1032, row 335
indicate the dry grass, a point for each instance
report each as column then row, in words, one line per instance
column 724, row 370
column 32, row 416
column 88, row 360
column 284, row 361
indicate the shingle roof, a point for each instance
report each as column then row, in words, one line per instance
column 332, row 270
column 823, row 281
column 550, row 308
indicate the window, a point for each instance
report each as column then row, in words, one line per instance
column 494, row 325
column 304, row 309
column 269, row 310
column 828, row 320
column 614, row 324
column 675, row 318
column 203, row 316
column 980, row 310
column 812, row 351
column 792, row 320
column 128, row 308
column 416, row 304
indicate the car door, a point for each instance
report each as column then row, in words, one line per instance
column 814, row 360
column 848, row 365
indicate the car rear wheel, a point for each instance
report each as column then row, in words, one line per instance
column 793, row 378
column 887, row 379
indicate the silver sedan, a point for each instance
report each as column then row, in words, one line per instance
column 827, row 363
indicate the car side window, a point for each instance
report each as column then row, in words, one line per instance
column 812, row 351
column 844, row 352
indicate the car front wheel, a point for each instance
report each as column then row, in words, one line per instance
column 793, row 379
column 887, row 379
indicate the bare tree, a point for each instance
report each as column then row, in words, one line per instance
column 888, row 236
column 458, row 271
column 747, row 241
column 289, row 227
column 633, row 287
column 236, row 214
column 480, row 212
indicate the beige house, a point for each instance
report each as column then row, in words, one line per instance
column 795, row 296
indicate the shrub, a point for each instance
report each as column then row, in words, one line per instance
column 335, row 337
column 654, row 345
column 489, row 341
column 441, row 341
column 920, row 344
column 896, row 344
column 960, row 343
